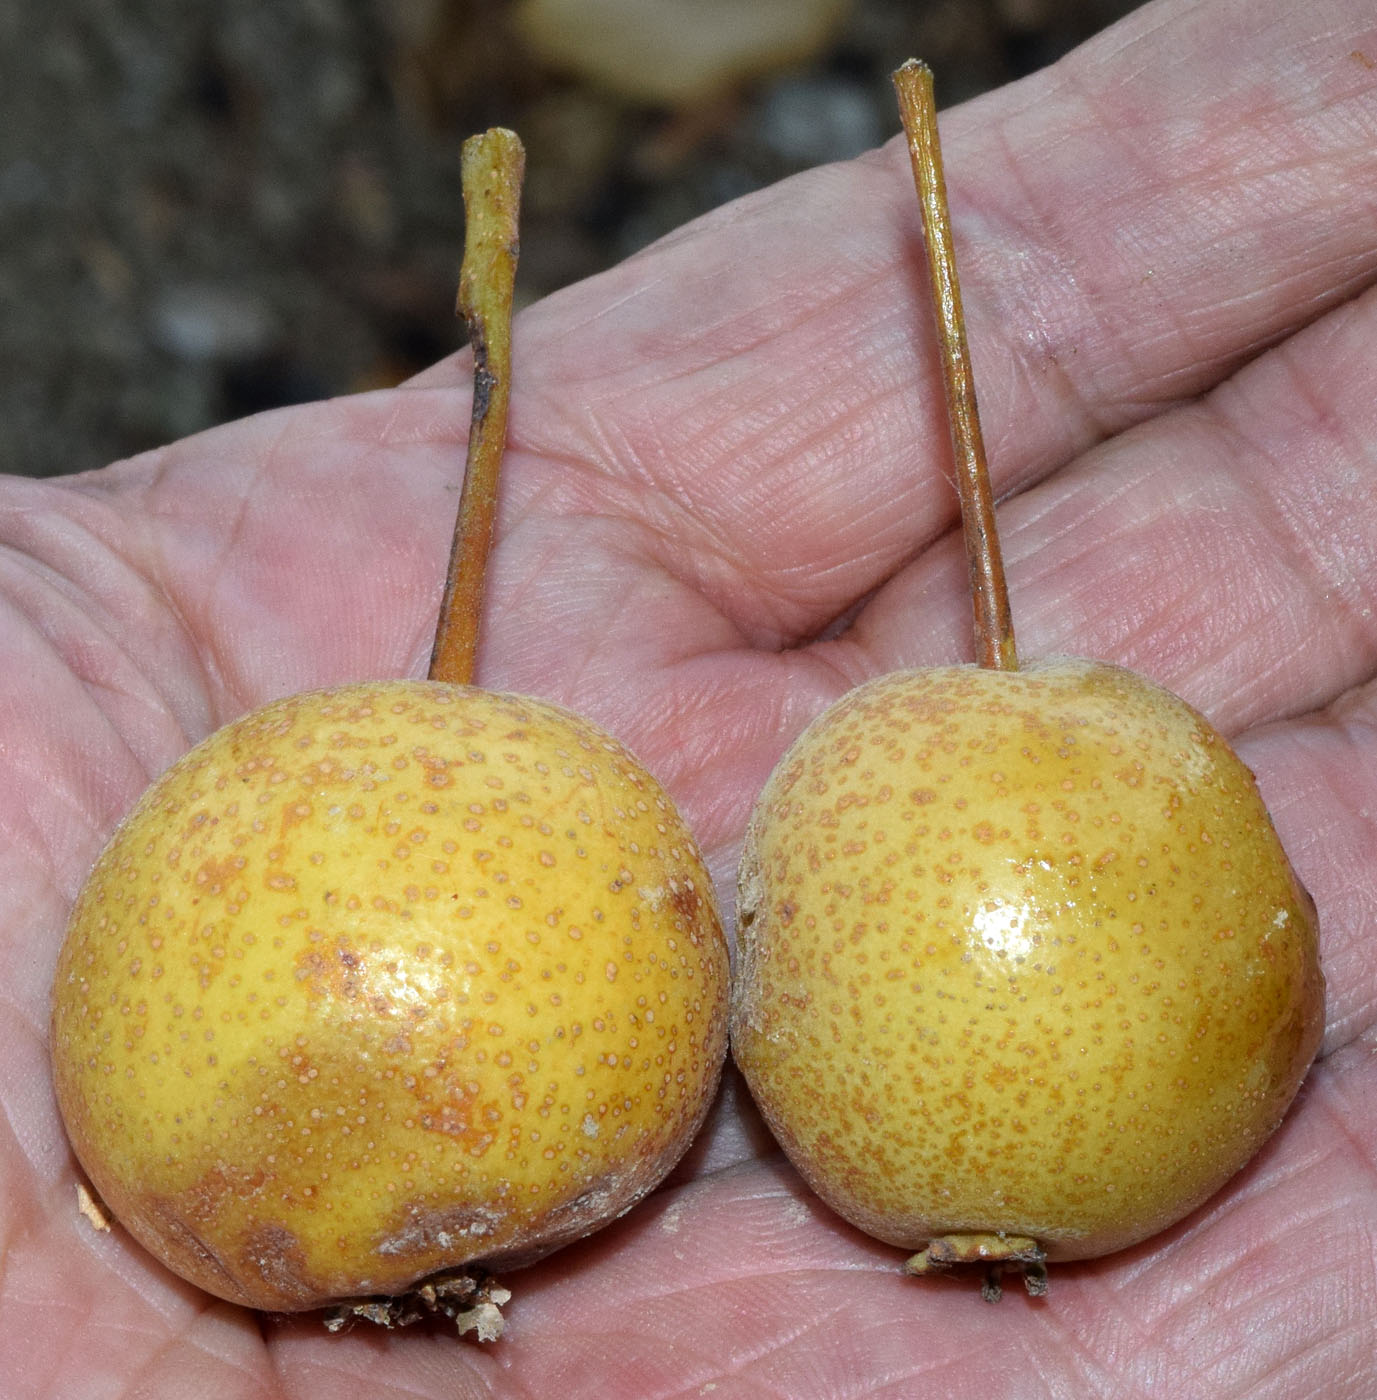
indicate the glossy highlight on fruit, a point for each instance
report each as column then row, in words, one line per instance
column 384, row 980
column 1021, row 957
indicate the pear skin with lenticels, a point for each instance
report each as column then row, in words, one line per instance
column 1022, row 956
column 383, row 981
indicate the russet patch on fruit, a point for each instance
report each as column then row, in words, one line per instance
column 384, row 980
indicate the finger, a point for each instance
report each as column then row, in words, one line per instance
column 1228, row 549
column 760, row 388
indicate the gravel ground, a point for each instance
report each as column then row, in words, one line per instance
column 208, row 209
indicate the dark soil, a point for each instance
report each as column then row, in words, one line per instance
column 209, row 209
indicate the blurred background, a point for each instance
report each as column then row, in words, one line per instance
column 210, row 209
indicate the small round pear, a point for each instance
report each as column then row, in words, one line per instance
column 1024, row 971
column 383, row 981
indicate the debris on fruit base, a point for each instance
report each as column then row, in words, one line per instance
column 92, row 1209
column 472, row 1301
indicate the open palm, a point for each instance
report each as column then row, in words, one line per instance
column 724, row 505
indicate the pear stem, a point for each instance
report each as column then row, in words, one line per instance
column 491, row 166
column 994, row 627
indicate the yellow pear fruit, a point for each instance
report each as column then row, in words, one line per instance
column 1020, row 956
column 384, row 980
column 385, row 986
column 1024, row 972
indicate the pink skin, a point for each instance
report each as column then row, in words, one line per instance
column 721, row 450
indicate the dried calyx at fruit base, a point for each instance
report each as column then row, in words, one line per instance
column 386, row 987
column 1024, row 973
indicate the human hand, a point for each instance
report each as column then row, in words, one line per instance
column 724, row 505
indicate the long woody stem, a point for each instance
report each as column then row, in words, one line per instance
column 492, row 166
column 994, row 628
